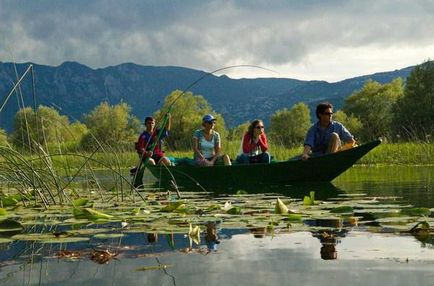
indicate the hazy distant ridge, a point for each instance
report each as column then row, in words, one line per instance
column 77, row 89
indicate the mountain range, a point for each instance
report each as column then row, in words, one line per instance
column 75, row 89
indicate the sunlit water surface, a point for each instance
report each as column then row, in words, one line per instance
column 356, row 255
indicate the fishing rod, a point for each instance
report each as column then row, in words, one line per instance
column 138, row 178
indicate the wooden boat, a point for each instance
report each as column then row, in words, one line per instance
column 317, row 169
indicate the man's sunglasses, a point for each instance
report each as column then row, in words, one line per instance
column 327, row 113
column 211, row 122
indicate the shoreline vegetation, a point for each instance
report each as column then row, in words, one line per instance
column 385, row 154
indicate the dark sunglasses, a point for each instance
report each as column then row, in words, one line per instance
column 259, row 127
column 328, row 113
column 211, row 122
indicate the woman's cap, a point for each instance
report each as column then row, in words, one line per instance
column 208, row 118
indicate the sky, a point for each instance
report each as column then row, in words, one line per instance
column 308, row 40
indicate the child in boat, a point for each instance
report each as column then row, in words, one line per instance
column 148, row 137
column 206, row 144
column 254, row 145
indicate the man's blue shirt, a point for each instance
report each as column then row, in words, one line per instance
column 318, row 138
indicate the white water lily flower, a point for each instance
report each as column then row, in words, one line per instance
column 280, row 207
column 194, row 234
column 228, row 206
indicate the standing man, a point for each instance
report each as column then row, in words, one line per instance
column 326, row 135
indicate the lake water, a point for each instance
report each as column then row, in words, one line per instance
column 377, row 250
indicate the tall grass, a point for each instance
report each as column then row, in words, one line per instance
column 386, row 153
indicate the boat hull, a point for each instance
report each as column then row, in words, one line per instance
column 319, row 169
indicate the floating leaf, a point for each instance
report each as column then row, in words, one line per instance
column 8, row 225
column 156, row 267
column 213, row 207
column 9, row 201
column 342, row 209
column 280, row 207
column 173, row 206
column 90, row 214
column 80, row 202
column 47, row 238
column 234, row 211
column 3, row 212
column 294, row 217
column 108, row 235
column 416, row 211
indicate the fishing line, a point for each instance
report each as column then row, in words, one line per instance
column 164, row 116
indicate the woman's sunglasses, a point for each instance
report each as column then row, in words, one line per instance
column 259, row 127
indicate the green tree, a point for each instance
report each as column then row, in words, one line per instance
column 351, row 122
column 372, row 105
column 112, row 125
column 45, row 126
column 289, row 127
column 414, row 112
column 3, row 138
column 187, row 115
column 237, row 133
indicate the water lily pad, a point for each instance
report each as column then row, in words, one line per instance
column 342, row 209
column 173, row 206
column 416, row 211
column 80, row 202
column 5, row 240
column 156, row 267
column 10, row 225
column 47, row 238
column 3, row 212
column 90, row 214
column 108, row 235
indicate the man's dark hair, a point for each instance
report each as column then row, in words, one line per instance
column 149, row 119
column 320, row 108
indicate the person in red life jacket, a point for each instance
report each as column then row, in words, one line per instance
column 254, row 145
column 148, row 137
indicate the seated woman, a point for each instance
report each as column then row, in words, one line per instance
column 206, row 144
column 254, row 145
column 148, row 137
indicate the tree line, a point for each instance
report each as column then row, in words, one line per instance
column 397, row 111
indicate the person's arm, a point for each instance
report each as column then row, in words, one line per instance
column 263, row 143
column 196, row 150
column 169, row 122
column 347, row 138
column 143, row 144
column 217, row 147
column 349, row 144
column 246, row 143
column 308, row 143
column 306, row 152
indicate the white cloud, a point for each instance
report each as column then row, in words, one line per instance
column 328, row 40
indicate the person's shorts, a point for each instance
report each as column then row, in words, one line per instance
column 206, row 162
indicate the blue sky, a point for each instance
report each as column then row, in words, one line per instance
column 322, row 40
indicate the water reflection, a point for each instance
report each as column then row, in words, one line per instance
column 377, row 250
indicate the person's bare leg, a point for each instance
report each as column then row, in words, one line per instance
column 334, row 143
column 227, row 160
column 164, row 161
